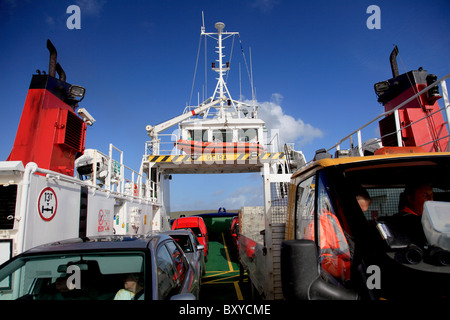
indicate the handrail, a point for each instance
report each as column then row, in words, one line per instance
column 173, row 143
column 440, row 81
column 119, row 180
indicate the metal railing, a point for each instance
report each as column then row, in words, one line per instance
column 164, row 147
column 118, row 178
column 398, row 128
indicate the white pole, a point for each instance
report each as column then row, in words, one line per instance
column 398, row 129
column 219, row 28
column 30, row 168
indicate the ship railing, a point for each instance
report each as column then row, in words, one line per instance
column 274, row 144
column 165, row 146
column 358, row 150
column 119, row 179
column 168, row 145
column 208, row 114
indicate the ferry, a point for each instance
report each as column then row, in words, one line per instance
column 50, row 169
column 54, row 189
column 224, row 135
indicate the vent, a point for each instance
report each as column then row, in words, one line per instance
column 387, row 131
column 73, row 135
column 8, row 195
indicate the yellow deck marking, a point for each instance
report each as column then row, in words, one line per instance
column 238, row 290
column 233, row 274
column 218, row 273
column 221, row 279
column 230, row 266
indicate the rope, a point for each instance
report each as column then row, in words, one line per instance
column 430, row 120
column 231, row 56
column 195, row 70
column 245, row 60
column 410, row 81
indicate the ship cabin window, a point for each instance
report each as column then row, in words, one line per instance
column 198, row 135
column 222, row 135
column 248, row 135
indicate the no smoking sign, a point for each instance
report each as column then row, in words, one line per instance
column 103, row 218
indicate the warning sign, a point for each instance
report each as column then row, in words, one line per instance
column 47, row 204
column 103, row 219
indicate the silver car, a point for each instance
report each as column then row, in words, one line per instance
column 150, row 267
column 192, row 249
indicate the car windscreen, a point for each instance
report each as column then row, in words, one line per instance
column 197, row 232
column 183, row 241
column 399, row 194
column 93, row 276
column 387, row 183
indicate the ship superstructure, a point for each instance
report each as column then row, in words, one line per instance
column 221, row 134
column 52, row 189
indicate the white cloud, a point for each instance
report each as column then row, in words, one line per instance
column 90, row 7
column 250, row 195
column 264, row 5
column 50, row 21
column 219, row 192
column 291, row 130
column 247, row 195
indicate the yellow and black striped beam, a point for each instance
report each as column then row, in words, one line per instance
column 237, row 158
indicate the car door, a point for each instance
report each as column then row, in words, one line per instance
column 318, row 219
column 175, row 274
column 167, row 277
column 199, row 254
column 186, row 280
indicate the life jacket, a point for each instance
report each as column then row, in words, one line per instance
column 334, row 250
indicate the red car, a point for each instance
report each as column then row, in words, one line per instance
column 197, row 225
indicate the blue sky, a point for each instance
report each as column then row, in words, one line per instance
column 314, row 66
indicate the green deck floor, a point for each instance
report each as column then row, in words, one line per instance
column 222, row 281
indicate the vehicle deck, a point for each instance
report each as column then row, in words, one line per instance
column 222, row 278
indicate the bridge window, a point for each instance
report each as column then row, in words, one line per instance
column 198, row 135
column 248, row 135
column 222, row 135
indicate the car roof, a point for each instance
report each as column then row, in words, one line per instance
column 179, row 231
column 191, row 218
column 328, row 162
column 99, row 243
column 188, row 221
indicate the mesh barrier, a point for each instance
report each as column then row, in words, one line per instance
column 279, row 201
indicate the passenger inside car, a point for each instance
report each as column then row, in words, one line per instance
column 133, row 287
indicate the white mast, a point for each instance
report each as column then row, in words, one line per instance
column 219, row 26
column 221, row 87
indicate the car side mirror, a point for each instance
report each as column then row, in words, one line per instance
column 200, row 247
column 300, row 274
